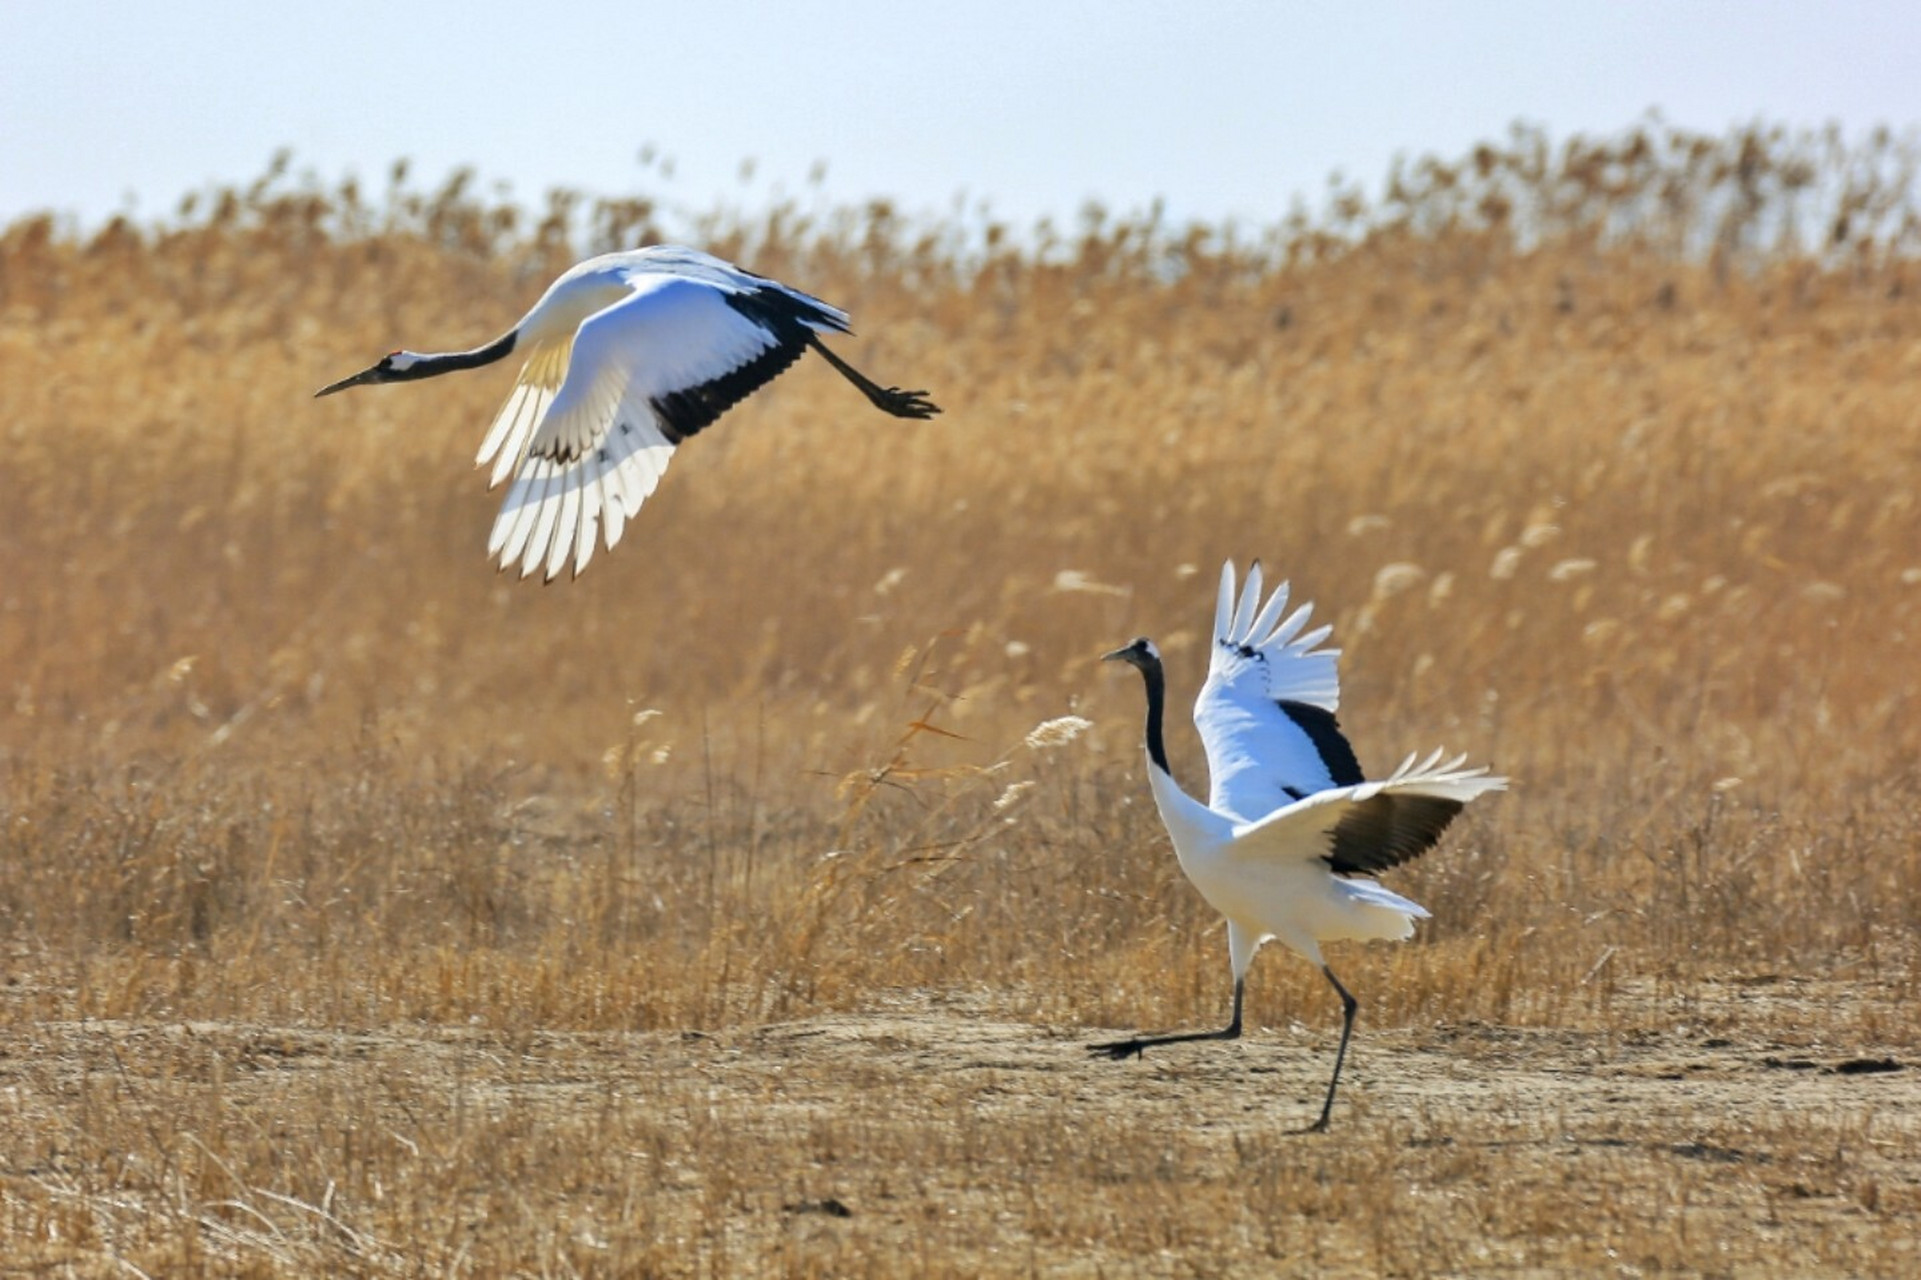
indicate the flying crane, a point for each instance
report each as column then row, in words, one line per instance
column 625, row 356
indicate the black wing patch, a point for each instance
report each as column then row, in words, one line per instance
column 778, row 304
column 688, row 410
column 788, row 315
column 684, row 412
column 1324, row 731
column 1386, row 830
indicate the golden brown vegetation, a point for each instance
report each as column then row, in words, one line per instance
column 368, row 913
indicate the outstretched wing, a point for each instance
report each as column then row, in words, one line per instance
column 642, row 375
column 1365, row 829
column 540, row 377
column 1266, row 713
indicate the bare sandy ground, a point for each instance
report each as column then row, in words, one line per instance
column 929, row 1137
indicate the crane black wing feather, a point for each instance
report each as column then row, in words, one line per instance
column 788, row 320
column 685, row 411
column 1323, row 729
column 1387, row 830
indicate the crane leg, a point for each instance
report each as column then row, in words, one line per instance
column 1348, row 1005
column 1132, row 1048
column 902, row 404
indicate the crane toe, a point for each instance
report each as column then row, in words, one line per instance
column 905, row 404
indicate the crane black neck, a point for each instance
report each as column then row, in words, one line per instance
column 453, row 361
column 1156, row 681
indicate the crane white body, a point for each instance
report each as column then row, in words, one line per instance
column 623, row 357
column 1292, row 832
column 1270, row 879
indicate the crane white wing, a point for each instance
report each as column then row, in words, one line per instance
column 1266, row 712
column 644, row 374
column 540, row 377
column 1364, row 829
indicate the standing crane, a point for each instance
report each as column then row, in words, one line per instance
column 1292, row 834
column 625, row 356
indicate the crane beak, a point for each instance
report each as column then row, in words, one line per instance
column 1118, row 655
column 358, row 379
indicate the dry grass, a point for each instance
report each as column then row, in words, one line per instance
column 360, row 918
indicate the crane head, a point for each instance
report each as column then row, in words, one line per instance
column 395, row 366
column 1138, row 652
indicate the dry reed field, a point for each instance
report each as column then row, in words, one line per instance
column 723, row 912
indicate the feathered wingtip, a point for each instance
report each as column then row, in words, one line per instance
column 1447, row 780
column 1243, row 625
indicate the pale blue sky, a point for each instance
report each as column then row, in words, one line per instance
column 1222, row 109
